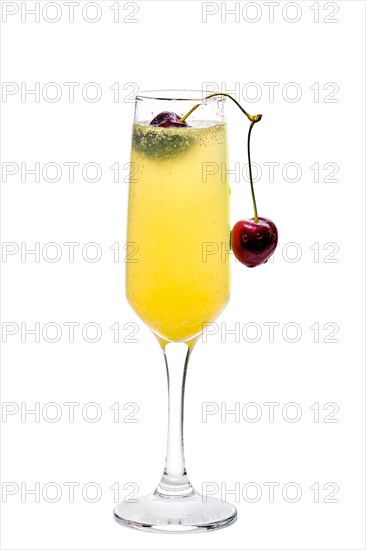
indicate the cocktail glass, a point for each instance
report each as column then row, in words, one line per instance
column 177, row 276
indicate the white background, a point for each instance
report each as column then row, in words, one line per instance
column 319, row 119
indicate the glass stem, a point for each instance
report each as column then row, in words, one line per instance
column 175, row 481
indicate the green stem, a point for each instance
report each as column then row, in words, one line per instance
column 253, row 119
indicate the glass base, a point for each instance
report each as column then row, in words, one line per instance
column 178, row 514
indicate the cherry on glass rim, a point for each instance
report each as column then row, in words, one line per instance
column 254, row 243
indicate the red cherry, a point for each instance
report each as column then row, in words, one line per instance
column 167, row 119
column 253, row 243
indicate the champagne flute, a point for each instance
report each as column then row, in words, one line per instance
column 177, row 276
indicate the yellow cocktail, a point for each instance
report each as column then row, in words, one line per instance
column 178, row 228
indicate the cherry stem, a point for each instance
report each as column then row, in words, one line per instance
column 253, row 119
column 250, row 175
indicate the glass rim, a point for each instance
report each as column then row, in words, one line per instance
column 173, row 95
